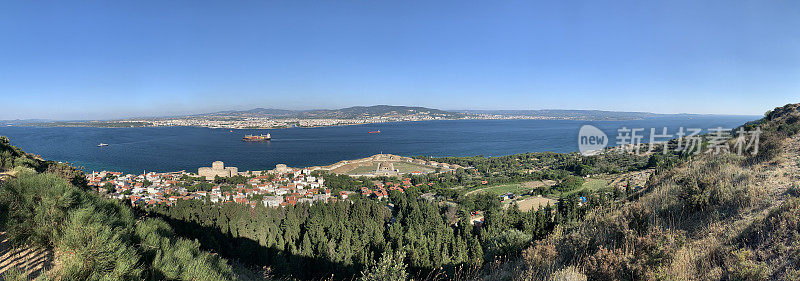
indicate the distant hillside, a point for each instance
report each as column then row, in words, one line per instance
column 344, row 113
column 390, row 110
column 23, row 121
column 256, row 112
column 268, row 118
column 569, row 114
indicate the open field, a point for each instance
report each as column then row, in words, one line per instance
column 392, row 165
column 515, row 188
column 595, row 184
column 638, row 178
column 344, row 169
column 405, row 168
column 591, row 184
column 535, row 184
column 359, row 170
column 534, row 202
column 402, row 167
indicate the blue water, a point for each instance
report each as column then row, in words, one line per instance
column 187, row 148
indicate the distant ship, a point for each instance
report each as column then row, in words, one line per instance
column 257, row 138
column 375, row 132
column 102, row 144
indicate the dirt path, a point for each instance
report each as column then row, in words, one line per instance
column 5, row 175
column 32, row 261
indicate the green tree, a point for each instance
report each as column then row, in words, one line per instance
column 389, row 268
column 109, row 187
column 570, row 183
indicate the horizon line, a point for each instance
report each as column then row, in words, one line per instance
column 312, row 109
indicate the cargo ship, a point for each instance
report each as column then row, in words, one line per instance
column 375, row 132
column 257, row 138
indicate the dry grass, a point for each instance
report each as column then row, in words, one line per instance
column 687, row 225
column 528, row 204
column 536, row 184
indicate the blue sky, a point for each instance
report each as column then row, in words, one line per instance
column 111, row 59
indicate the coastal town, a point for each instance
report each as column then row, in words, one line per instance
column 273, row 118
column 276, row 119
column 218, row 184
column 272, row 123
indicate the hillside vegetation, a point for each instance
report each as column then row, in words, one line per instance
column 699, row 217
column 92, row 238
column 711, row 217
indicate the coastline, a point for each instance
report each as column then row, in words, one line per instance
column 138, row 122
column 157, row 148
column 87, row 124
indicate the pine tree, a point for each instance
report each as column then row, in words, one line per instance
column 390, row 267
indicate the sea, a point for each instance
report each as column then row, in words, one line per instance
column 168, row 149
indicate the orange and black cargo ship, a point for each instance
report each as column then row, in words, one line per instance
column 257, row 138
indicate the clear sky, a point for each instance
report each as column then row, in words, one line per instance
column 110, row 59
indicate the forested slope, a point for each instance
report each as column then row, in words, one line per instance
column 92, row 238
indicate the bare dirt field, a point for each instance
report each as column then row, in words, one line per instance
column 348, row 167
column 638, row 178
column 534, row 203
column 535, row 184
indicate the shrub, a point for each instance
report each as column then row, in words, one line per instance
column 769, row 147
column 38, row 206
column 389, row 268
column 171, row 257
column 97, row 247
column 794, row 191
column 716, row 186
column 99, row 238
column 741, row 267
column 570, row 183
column 568, row 274
column 508, row 242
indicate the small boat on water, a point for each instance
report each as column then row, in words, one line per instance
column 375, row 132
column 257, row 138
column 102, row 144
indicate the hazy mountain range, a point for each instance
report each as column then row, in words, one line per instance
column 344, row 113
column 361, row 112
column 390, row 110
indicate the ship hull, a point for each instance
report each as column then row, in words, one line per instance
column 257, row 137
